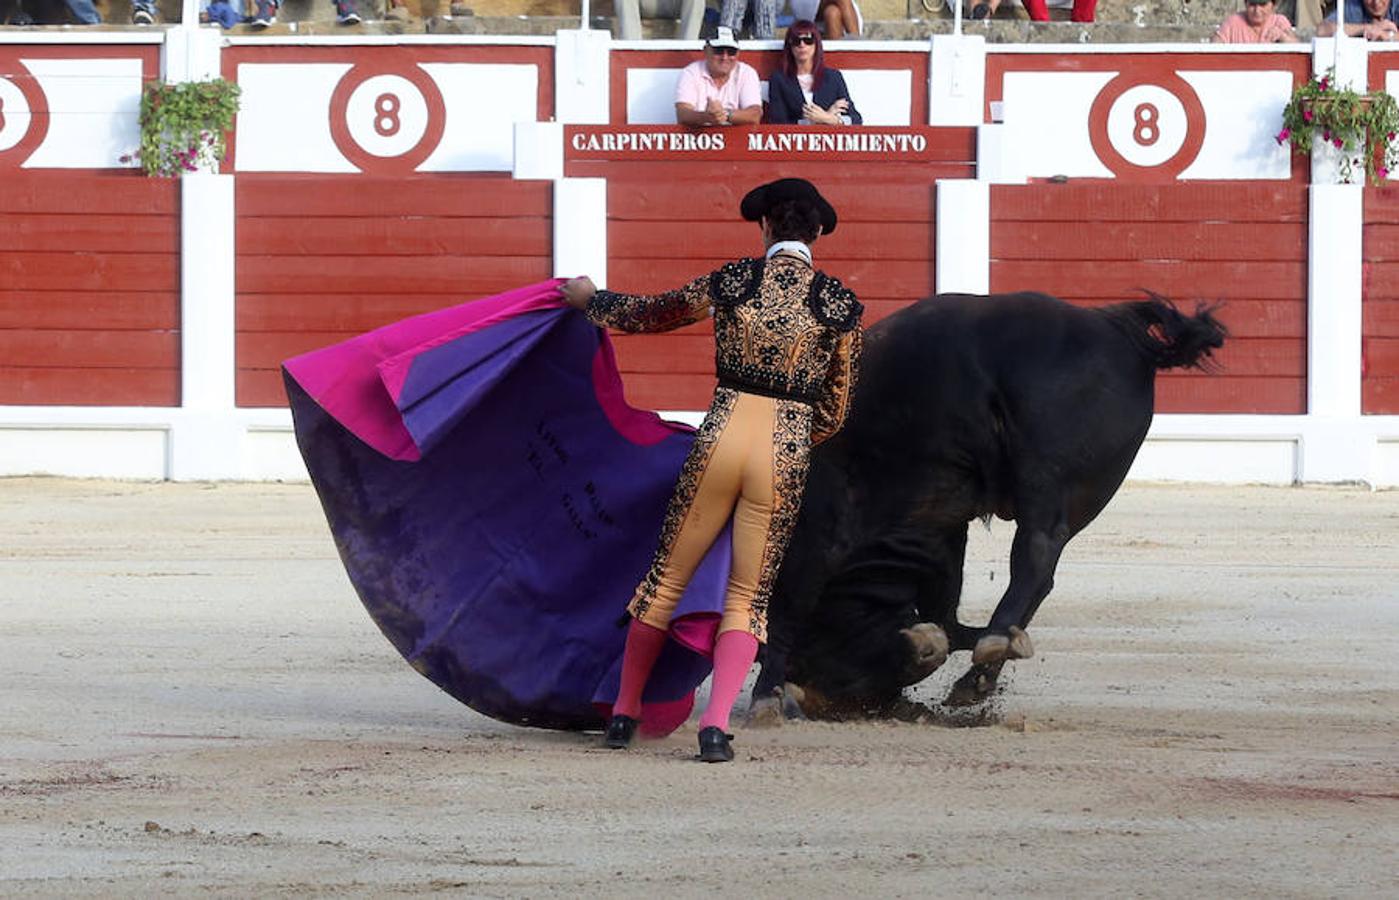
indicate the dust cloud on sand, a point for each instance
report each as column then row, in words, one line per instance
column 192, row 701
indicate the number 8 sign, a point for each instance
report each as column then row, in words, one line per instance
column 387, row 122
column 24, row 116
column 1147, row 127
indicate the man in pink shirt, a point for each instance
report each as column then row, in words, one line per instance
column 719, row 90
column 1259, row 23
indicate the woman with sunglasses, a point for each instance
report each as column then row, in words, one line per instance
column 805, row 91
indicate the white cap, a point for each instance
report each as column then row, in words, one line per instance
column 724, row 38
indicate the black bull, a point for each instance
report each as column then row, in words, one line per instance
column 1019, row 406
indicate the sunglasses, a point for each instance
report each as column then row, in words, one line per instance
column 807, row 39
column 725, row 51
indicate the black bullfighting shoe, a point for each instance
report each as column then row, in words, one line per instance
column 714, row 745
column 620, row 732
column 995, row 648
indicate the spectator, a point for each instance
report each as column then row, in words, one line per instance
column 690, row 13
column 1259, row 23
column 719, row 90
column 1038, row 10
column 839, row 17
column 221, row 13
column 1374, row 20
column 266, row 13
column 1308, row 14
column 764, row 17
column 83, row 12
column 805, row 91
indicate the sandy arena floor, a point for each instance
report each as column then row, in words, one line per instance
column 193, row 701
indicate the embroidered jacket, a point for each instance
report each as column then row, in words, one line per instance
column 781, row 329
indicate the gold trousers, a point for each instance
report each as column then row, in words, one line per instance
column 749, row 460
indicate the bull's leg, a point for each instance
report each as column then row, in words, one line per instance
column 770, row 702
column 1039, row 541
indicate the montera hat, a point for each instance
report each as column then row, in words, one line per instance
column 758, row 201
column 723, row 38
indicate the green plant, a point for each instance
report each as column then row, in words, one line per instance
column 1361, row 127
column 184, row 126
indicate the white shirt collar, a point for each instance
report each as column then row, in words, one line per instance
column 796, row 248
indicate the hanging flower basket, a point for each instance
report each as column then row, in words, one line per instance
column 184, row 126
column 1363, row 129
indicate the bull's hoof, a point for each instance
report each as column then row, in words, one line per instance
column 774, row 709
column 974, row 687
column 930, row 648
column 791, row 703
column 994, row 648
column 765, row 712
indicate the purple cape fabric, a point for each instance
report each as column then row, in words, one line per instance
column 495, row 504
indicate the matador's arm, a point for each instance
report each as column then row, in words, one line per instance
column 834, row 407
column 658, row 312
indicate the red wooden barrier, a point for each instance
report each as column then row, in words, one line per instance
column 89, row 289
column 1244, row 244
column 322, row 258
column 671, row 220
column 1379, row 386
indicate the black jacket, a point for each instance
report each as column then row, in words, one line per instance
column 785, row 98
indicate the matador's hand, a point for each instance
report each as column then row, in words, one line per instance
column 578, row 291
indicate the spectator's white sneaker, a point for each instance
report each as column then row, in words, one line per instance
column 345, row 13
column 266, row 14
column 142, row 17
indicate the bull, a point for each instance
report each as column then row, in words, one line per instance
column 1019, row 406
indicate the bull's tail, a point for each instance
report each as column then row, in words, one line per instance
column 1167, row 337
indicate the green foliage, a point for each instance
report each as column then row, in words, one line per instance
column 184, row 126
column 1362, row 128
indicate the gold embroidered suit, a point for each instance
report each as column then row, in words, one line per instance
column 787, row 344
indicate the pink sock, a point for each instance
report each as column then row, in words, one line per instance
column 734, row 653
column 644, row 643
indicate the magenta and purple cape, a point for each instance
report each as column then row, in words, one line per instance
column 496, row 502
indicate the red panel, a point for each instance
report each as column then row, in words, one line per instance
column 1381, row 318
column 89, row 387
column 709, row 193
column 469, row 195
column 89, row 289
column 90, row 310
column 1382, row 356
column 92, row 232
column 670, row 392
column 457, row 278
column 1179, row 279
column 323, row 258
column 1214, row 394
column 677, row 352
column 22, row 348
column 670, row 222
column 74, row 270
column 260, row 387
column 1228, row 241
column 1379, row 386
column 126, row 193
column 1193, row 203
column 339, row 313
column 405, row 236
column 1244, row 244
column 1380, row 396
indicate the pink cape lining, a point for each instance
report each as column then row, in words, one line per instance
column 359, row 381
